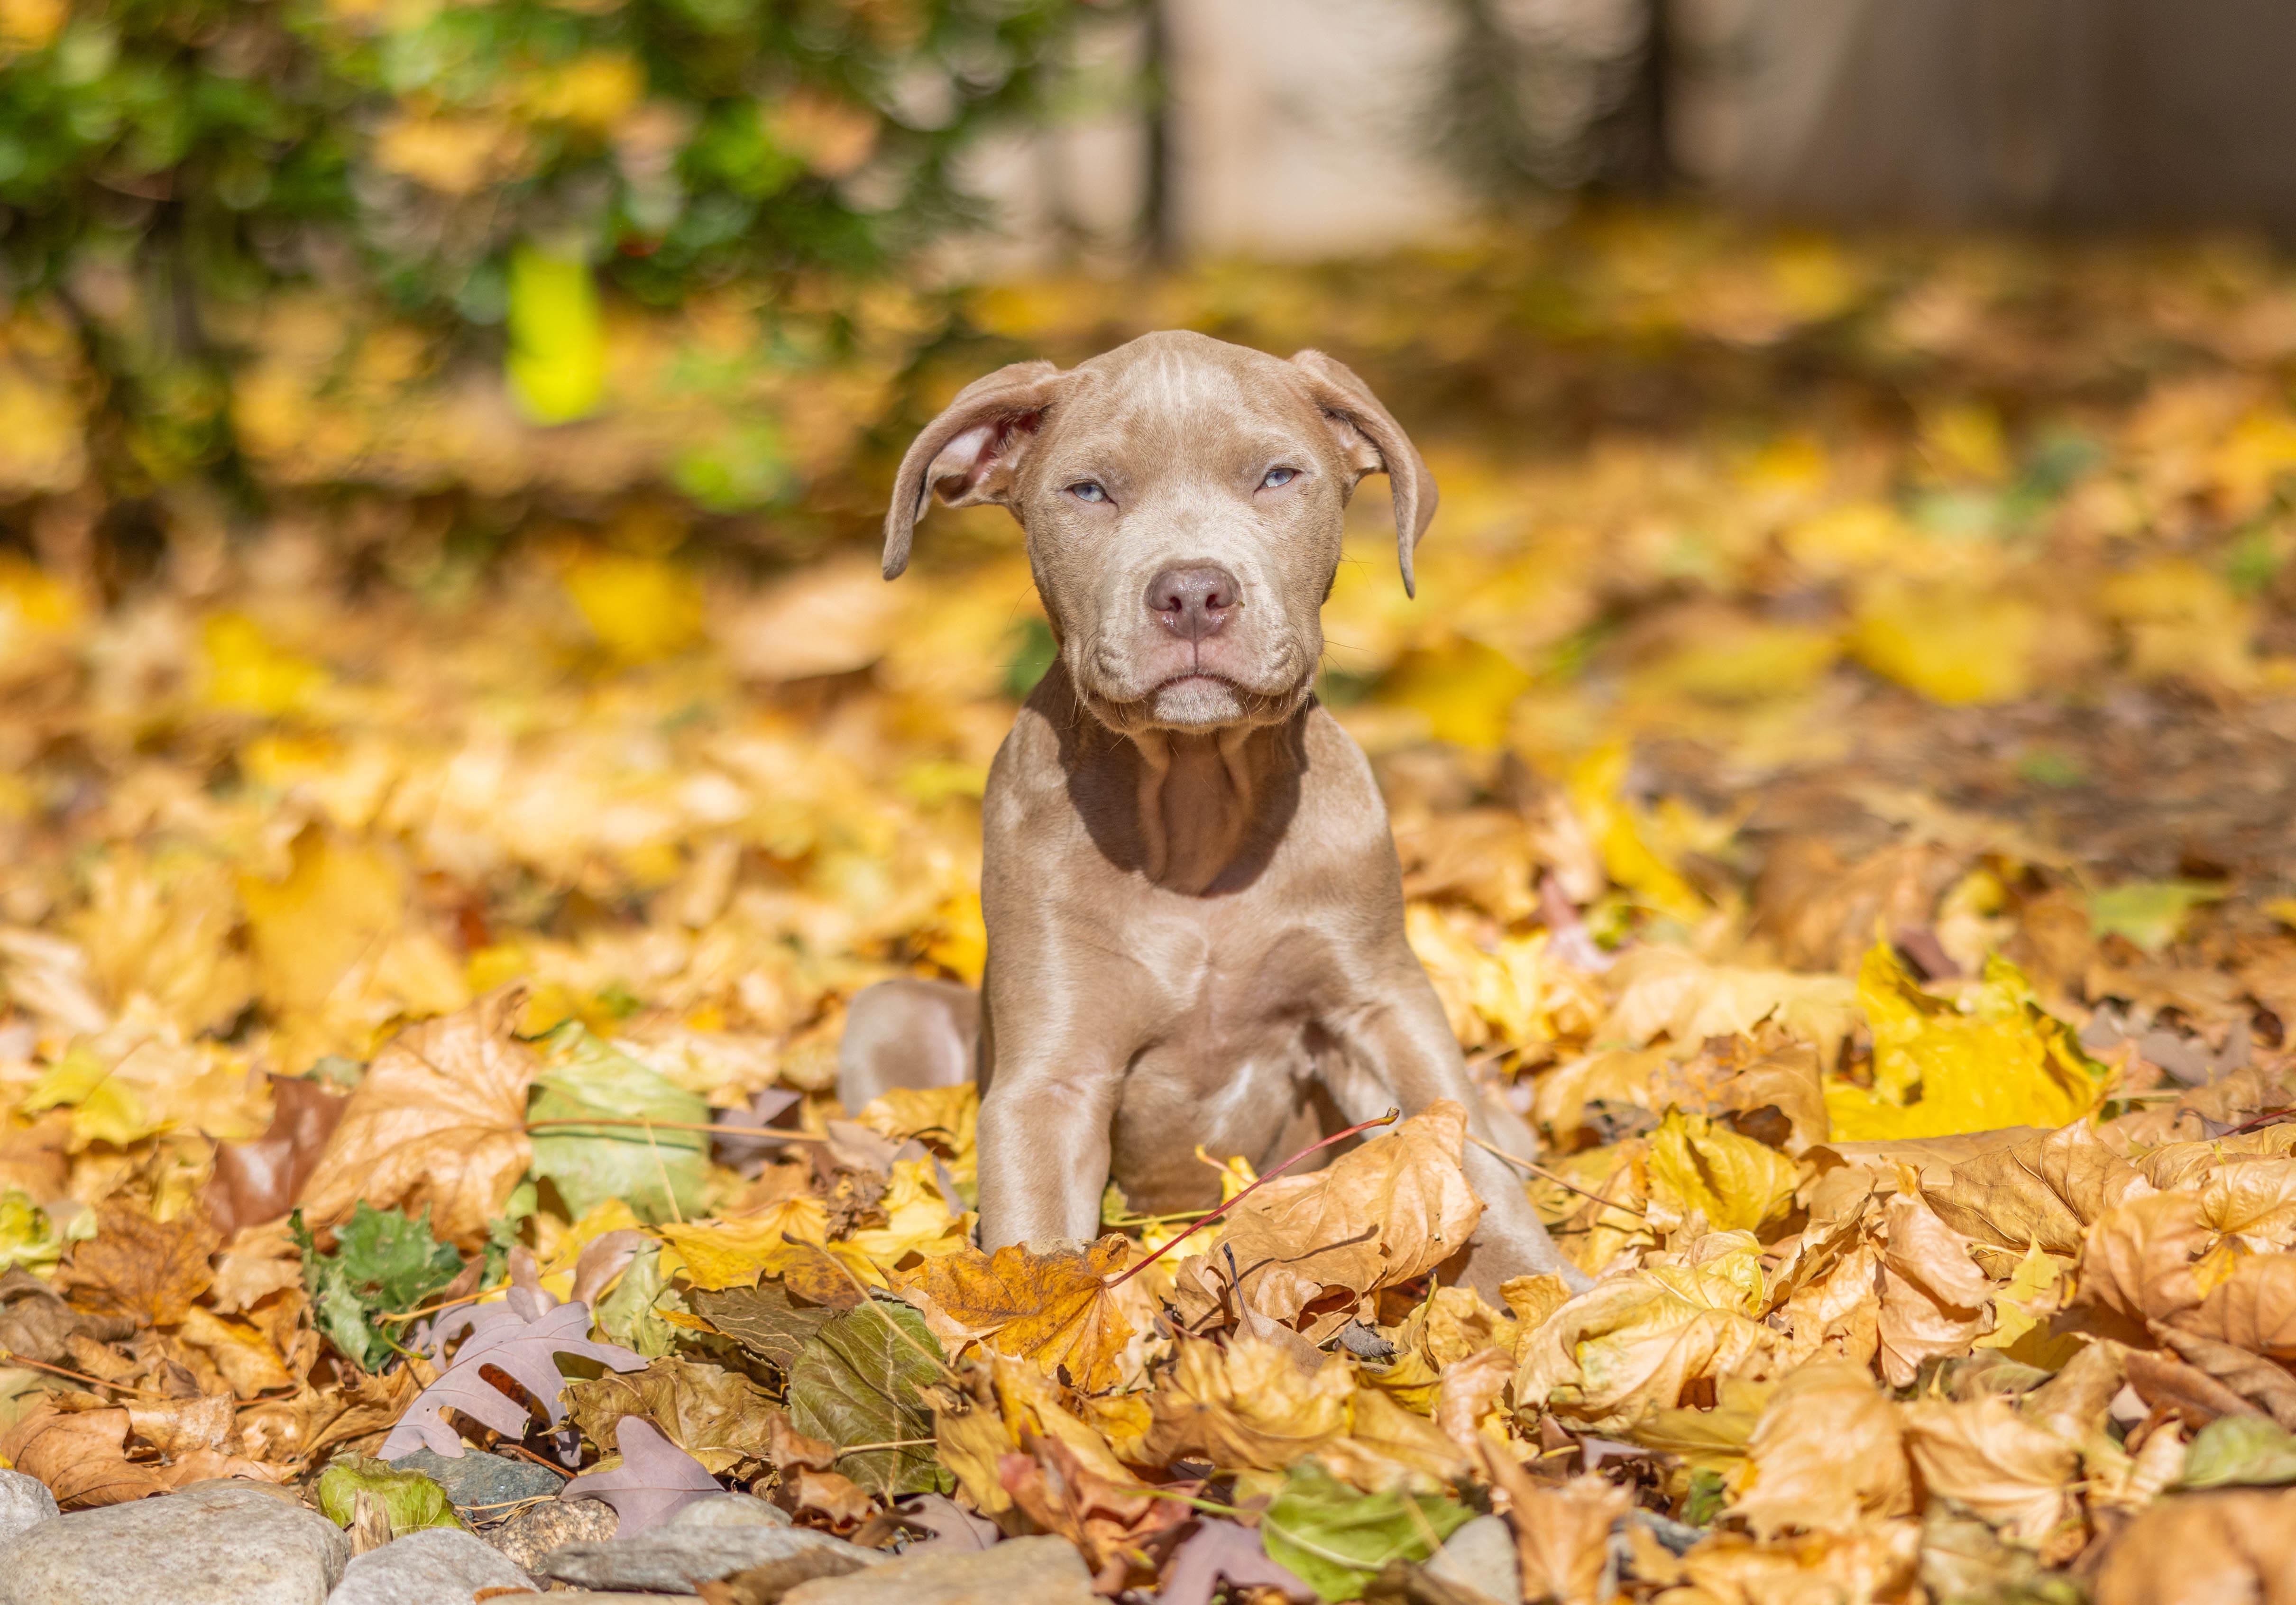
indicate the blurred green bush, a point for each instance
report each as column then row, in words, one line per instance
column 228, row 226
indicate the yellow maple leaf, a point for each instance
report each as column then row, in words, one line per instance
column 1696, row 1164
column 1057, row 1310
column 1596, row 788
column 1939, row 1069
column 734, row 1253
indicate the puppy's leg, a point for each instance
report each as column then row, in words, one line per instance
column 1407, row 1045
column 906, row 1032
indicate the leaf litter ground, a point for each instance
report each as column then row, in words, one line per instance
column 1839, row 762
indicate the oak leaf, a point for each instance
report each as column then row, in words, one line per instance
column 439, row 1119
column 1056, row 1309
column 655, row 1479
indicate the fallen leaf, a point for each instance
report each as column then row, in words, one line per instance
column 2237, row 1450
column 655, row 1480
column 439, row 1122
column 717, row 1416
column 1110, row 1521
column 2203, row 1548
column 2262, row 1383
column 857, row 1383
column 2137, row 1257
column 1986, row 1457
column 80, row 1454
column 524, row 1348
column 146, row 1269
column 256, row 1183
column 2253, row 1308
column 1630, row 1344
column 1664, row 991
column 658, row 1172
column 1696, row 1164
column 383, row 1263
column 766, row 1319
column 1248, row 1405
column 1336, row 1540
column 1390, row 1210
column 2044, row 1189
column 1225, row 1552
column 1934, row 1299
column 1827, row 1456
column 1562, row 1534
column 410, row 1500
column 1054, row 1309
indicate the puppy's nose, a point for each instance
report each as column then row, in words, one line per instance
column 1193, row 603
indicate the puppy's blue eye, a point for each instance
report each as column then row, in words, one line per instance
column 1084, row 490
column 1278, row 476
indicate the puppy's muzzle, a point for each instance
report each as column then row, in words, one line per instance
column 1193, row 603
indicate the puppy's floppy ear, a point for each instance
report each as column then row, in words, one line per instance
column 967, row 454
column 1376, row 444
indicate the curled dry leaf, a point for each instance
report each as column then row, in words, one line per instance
column 1698, row 1164
column 147, row 1271
column 1934, row 1299
column 1055, row 1310
column 1246, row 1406
column 717, row 1416
column 1986, row 1457
column 1630, row 1344
column 2263, row 1384
column 439, row 1120
column 2044, row 1189
column 80, row 1454
column 1110, row 1521
column 1391, row 1210
column 1827, row 1456
column 257, row 1182
column 2136, row 1259
column 1562, row 1534
column 2204, row 1548
column 2253, row 1308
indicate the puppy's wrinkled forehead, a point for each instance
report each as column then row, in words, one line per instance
column 1168, row 385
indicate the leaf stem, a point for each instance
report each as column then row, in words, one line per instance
column 773, row 1133
column 1544, row 1174
column 1360, row 1126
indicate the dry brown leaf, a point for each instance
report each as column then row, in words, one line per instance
column 840, row 1498
column 1827, row 1456
column 257, row 1182
column 2045, row 1190
column 2195, row 1398
column 176, row 1427
column 2253, row 1199
column 1057, row 1310
column 2263, row 1384
column 2253, row 1308
column 1934, row 1299
column 1246, row 1406
column 1470, row 1388
column 1870, row 1566
column 81, row 1455
column 2137, row 1258
column 1630, row 1344
column 254, row 1265
column 241, row 1355
column 2232, row 1545
column 1986, row 1457
column 717, row 1416
column 1109, row 1519
column 146, row 1269
column 439, row 1120
column 1388, row 1446
column 1562, row 1534
column 1308, row 1248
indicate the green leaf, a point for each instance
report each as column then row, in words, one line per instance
column 411, row 1500
column 27, row 1236
column 857, row 1381
column 2240, row 1451
column 557, row 363
column 2149, row 913
column 382, row 1262
column 583, row 1076
column 1336, row 1540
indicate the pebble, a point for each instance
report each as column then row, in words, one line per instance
column 1480, row 1558
column 429, row 1568
column 212, row 1545
column 681, row 1559
column 731, row 1509
column 24, row 1502
column 477, row 1479
column 534, row 1531
column 1019, row 1571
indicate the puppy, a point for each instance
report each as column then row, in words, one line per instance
column 1194, row 905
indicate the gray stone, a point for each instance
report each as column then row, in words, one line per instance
column 24, row 1502
column 681, row 1559
column 481, row 1482
column 1480, row 1558
column 1019, row 1571
column 429, row 1568
column 214, row 1545
column 537, row 1530
column 731, row 1509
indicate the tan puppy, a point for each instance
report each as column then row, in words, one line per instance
column 1194, row 910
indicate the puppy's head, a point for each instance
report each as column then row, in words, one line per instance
column 1183, row 500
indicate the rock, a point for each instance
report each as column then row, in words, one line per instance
column 681, row 1559
column 1480, row 1556
column 534, row 1531
column 428, row 1567
column 26, row 1501
column 1019, row 1571
column 214, row 1545
column 731, row 1509
column 483, row 1481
